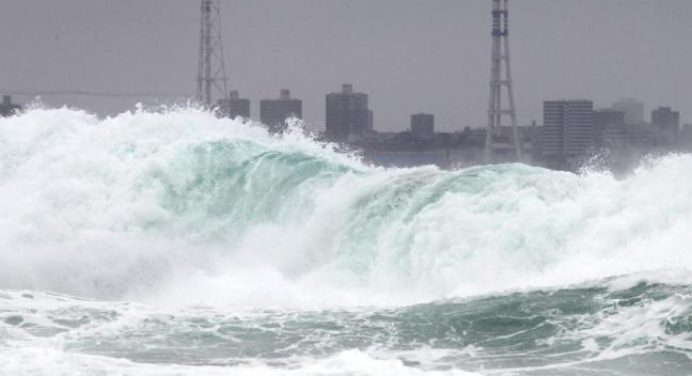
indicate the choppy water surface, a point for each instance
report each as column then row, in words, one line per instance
column 180, row 244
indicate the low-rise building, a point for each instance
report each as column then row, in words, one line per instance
column 234, row 106
column 423, row 126
column 7, row 108
column 274, row 112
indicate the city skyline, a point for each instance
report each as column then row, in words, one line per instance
column 313, row 47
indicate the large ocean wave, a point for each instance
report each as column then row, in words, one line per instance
column 180, row 207
column 174, row 242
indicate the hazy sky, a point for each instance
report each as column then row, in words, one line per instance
column 408, row 55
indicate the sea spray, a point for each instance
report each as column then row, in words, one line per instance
column 148, row 203
column 175, row 242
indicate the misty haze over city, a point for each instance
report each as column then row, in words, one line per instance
column 346, row 188
column 409, row 55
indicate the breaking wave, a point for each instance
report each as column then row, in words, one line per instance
column 182, row 207
column 175, row 242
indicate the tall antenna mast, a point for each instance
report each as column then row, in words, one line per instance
column 496, row 144
column 211, row 71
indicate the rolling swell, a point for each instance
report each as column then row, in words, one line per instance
column 181, row 208
column 637, row 330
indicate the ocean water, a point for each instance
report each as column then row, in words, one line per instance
column 176, row 243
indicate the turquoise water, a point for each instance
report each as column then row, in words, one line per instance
column 177, row 243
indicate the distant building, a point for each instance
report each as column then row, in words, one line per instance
column 274, row 112
column 234, row 106
column 475, row 136
column 7, row 108
column 608, row 116
column 568, row 130
column 579, row 130
column 685, row 137
column 423, row 126
column 551, row 136
column 633, row 109
column 641, row 135
column 371, row 121
column 609, row 127
column 347, row 115
column 666, row 119
column 666, row 122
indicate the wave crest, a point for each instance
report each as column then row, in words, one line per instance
column 183, row 207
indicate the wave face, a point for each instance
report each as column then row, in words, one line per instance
column 319, row 256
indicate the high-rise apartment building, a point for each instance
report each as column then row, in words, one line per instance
column 347, row 115
column 568, row 129
column 234, row 106
column 579, row 130
column 552, row 133
column 274, row 112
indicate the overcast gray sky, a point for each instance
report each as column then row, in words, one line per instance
column 408, row 55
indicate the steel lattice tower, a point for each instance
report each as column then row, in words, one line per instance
column 211, row 71
column 501, row 147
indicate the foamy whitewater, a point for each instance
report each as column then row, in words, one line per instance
column 175, row 243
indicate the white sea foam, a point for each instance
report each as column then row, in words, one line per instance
column 182, row 208
column 54, row 362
